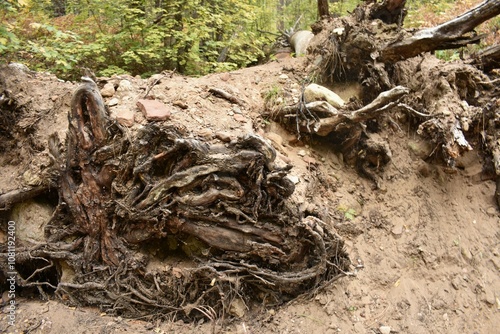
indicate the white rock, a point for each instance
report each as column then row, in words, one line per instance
column 113, row 102
column 314, row 92
column 385, row 329
column 125, row 86
column 293, row 178
column 283, row 76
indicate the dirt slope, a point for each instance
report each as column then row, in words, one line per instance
column 425, row 248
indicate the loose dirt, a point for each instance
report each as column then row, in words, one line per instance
column 425, row 247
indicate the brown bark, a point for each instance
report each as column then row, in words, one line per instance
column 323, row 8
column 488, row 58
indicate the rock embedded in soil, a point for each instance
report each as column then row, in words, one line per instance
column 125, row 86
column 108, row 90
column 385, row 329
column 125, row 117
column 113, row 102
column 153, row 110
column 31, row 218
column 223, row 136
column 314, row 92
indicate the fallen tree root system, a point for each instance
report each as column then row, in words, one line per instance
column 155, row 223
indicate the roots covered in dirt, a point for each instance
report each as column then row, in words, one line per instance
column 155, row 223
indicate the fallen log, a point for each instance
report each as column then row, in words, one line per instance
column 449, row 35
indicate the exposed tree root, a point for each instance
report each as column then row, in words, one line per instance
column 220, row 210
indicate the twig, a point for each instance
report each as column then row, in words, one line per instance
column 225, row 95
column 407, row 107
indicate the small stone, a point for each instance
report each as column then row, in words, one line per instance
column 496, row 263
column 310, row 160
column 180, row 104
column 294, row 179
column 125, row 117
column 225, row 76
column 125, row 86
column 384, row 329
column 223, row 136
column 466, row 253
column 113, row 102
column 397, row 230
column 302, row 153
column 108, row 90
column 421, row 149
column 237, row 308
column 54, row 98
column 490, row 297
column 455, row 283
column 236, row 109
column 284, row 158
column 153, row 110
column 283, row 77
column 205, row 133
column 240, row 118
column 492, row 211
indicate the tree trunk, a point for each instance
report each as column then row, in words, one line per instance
column 323, row 8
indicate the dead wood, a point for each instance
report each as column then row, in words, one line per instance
column 451, row 34
column 389, row 11
column 225, row 95
column 20, row 195
column 488, row 59
column 383, row 102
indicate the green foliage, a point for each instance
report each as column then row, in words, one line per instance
column 349, row 213
column 447, row 55
column 195, row 37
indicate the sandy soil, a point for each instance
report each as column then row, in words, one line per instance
column 425, row 249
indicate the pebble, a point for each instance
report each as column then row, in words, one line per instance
column 283, row 77
column 180, row 104
column 113, row 102
column 125, row 86
column 294, row 179
column 397, row 230
column 302, row 153
column 492, row 211
column 108, row 90
column 223, row 136
column 206, row 133
column 384, row 329
column 125, row 117
column 455, row 283
column 466, row 253
column 240, row 118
